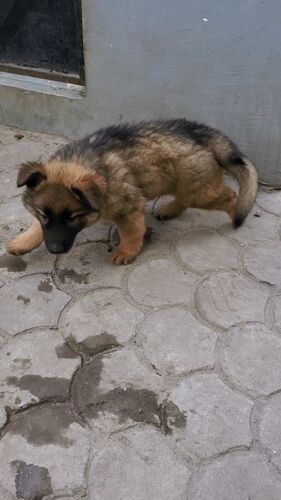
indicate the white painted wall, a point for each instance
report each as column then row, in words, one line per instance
column 211, row 60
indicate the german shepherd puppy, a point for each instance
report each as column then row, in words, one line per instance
column 112, row 172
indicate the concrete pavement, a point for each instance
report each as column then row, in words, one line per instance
column 158, row 380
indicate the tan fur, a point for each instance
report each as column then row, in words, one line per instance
column 27, row 241
column 120, row 182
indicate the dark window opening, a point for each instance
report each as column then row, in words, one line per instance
column 42, row 38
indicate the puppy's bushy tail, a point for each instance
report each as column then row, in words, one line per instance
column 238, row 166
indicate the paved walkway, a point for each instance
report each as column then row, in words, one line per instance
column 156, row 381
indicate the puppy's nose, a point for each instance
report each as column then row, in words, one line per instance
column 56, row 248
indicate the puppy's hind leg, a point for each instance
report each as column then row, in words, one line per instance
column 170, row 210
column 27, row 241
column 218, row 198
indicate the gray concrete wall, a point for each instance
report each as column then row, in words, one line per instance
column 218, row 61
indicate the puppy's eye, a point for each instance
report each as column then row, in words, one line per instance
column 73, row 219
column 44, row 217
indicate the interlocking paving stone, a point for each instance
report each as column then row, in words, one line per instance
column 7, row 135
column 115, row 389
column 37, row 262
column 270, row 428
column 86, row 267
column 263, row 262
column 100, row 318
column 277, row 311
column 235, row 477
column 14, row 219
column 138, row 464
column 160, row 281
column 35, row 367
column 259, row 226
column 35, row 299
column 176, row 342
column 227, row 298
column 217, row 418
column 251, row 357
column 98, row 232
column 6, row 495
column 270, row 201
column 152, row 381
column 204, row 249
column 49, row 446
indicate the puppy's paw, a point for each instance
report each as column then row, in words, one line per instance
column 164, row 213
column 120, row 257
column 14, row 248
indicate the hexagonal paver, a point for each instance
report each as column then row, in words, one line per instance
column 161, row 282
column 270, row 201
column 39, row 261
column 251, row 356
column 259, row 226
column 14, row 218
column 217, row 418
column 8, row 186
column 96, row 232
column 263, row 262
column 43, row 451
column 27, row 149
column 35, row 367
column 142, row 464
column 204, row 249
column 176, row 342
column 277, row 311
column 100, row 318
column 270, row 429
column 87, row 267
column 235, row 477
column 36, row 301
column 3, row 415
column 227, row 298
column 115, row 389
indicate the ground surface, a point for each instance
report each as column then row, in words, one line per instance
column 159, row 380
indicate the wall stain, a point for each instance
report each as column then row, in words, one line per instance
column 32, row 482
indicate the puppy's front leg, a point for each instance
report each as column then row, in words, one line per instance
column 27, row 241
column 131, row 229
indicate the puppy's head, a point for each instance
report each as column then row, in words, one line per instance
column 63, row 199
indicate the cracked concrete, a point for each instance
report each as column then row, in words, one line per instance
column 159, row 380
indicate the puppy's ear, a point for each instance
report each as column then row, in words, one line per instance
column 89, row 189
column 91, row 181
column 31, row 174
